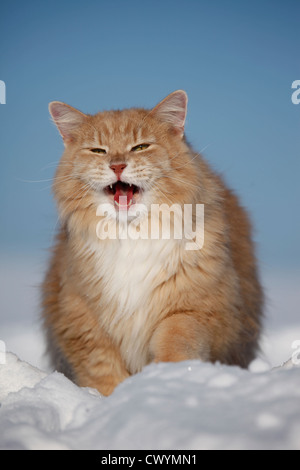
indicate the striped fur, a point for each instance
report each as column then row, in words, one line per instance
column 112, row 306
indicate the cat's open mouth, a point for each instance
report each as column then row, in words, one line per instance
column 124, row 194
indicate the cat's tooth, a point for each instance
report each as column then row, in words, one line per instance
column 130, row 185
column 110, row 186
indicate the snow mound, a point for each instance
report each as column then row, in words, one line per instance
column 188, row 405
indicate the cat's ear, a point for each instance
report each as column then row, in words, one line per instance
column 173, row 110
column 67, row 119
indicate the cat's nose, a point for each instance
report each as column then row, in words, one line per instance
column 118, row 169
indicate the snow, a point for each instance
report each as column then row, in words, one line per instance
column 189, row 405
column 168, row 406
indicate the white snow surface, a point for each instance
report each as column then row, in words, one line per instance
column 168, row 406
column 189, row 405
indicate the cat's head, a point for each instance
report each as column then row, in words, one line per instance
column 123, row 158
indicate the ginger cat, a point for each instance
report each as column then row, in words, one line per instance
column 113, row 305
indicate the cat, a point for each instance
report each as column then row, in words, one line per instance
column 112, row 306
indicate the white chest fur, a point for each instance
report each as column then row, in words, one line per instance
column 130, row 270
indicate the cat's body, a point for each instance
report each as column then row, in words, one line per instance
column 112, row 306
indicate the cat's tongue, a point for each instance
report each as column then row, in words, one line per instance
column 123, row 195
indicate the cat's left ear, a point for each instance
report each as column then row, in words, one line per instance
column 67, row 119
column 173, row 110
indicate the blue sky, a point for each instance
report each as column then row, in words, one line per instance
column 236, row 60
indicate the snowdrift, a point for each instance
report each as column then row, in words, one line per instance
column 189, row 405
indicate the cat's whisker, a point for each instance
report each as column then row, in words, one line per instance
column 46, row 188
column 46, row 180
column 184, row 182
column 195, row 156
column 204, row 148
column 34, row 181
column 78, row 196
column 164, row 194
column 63, row 180
column 54, row 165
column 60, row 179
column 187, row 163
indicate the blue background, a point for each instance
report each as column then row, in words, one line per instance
column 236, row 60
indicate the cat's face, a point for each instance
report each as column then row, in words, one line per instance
column 124, row 158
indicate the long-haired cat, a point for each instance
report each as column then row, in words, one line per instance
column 112, row 305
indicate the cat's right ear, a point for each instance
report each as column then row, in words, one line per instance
column 67, row 119
column 173, row 110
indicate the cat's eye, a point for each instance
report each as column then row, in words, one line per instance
column 98, row 150
column 139, row 148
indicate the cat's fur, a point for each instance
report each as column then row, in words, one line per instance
column 112, row 306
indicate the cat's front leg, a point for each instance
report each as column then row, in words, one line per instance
column 92, row 357
column 180, row 337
